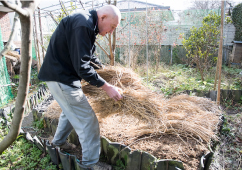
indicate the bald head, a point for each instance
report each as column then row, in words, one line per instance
column 109, row 18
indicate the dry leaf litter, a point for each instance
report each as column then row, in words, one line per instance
column 175, row 128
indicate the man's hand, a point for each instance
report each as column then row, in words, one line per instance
column 112, row 91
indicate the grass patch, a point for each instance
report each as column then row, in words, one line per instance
column 22, row 154
column 178, row 78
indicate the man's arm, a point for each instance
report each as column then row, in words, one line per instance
column 81, row 56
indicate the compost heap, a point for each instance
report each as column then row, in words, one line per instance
column 143, row 113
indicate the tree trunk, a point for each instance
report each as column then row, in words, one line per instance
column 25, row 15
column 200, row 69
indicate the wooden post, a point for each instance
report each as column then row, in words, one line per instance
column 220, row 53
column 41, row 35
column 36, row 51
column 111, row 51
column 114, row 37
column 36, row 44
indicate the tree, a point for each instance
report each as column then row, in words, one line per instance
column 111, row 41
column 26, row 16
column 203, row 42
column 211, row 4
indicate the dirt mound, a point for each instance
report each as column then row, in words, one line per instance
column 177, row 128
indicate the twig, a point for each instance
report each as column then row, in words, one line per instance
column 103, row 50
column 95, row 64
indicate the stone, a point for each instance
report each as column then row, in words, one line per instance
column 124, row 153
column 38, row 143
column 147, row 161
column 134, row 160
column 104, row 145
column 54, row 125
column 54, row 155
column 67, row 160
column 35, row 114
column 168, row 164
column 73, row 138
column 113, row 153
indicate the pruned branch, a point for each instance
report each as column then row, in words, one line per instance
column 16, row 8
column 10, row 40
column 41, row 44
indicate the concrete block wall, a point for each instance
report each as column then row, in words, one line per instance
column 5, row 25
column 6, row 28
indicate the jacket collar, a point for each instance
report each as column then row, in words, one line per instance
column 95, row 19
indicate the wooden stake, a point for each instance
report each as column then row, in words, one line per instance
column 36, row 45
column 41, row 35
column 220, row 53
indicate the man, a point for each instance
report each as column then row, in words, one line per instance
column 68, row 60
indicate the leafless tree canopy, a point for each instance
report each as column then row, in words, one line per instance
column 208, row 4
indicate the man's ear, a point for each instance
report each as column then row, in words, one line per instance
column 103, row 17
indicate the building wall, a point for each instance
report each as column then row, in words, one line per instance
column 6, row 29
column 5, row 26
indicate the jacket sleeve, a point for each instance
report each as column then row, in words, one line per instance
column 81, row 49
column 97, row 64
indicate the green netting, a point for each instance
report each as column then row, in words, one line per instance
column 5, row 88
column 33, row 51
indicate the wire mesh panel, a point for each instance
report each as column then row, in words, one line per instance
column 148, row 33
column 5, row 88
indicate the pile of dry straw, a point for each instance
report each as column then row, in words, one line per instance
column 182, row 115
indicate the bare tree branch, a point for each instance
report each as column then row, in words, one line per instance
column 63, row 8
column 10, row 40
column 81, row 4
column 41, row 45
column 56, row 22
column 16, row 8
column 103, row 49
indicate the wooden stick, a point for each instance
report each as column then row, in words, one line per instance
column 220, row 53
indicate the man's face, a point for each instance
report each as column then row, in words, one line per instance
column 107, row 24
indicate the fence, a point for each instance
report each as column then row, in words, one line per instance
column 5, row 85
column 147, row 32
column 147, row 35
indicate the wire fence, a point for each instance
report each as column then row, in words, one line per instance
column 147, row 32
column 5, row 84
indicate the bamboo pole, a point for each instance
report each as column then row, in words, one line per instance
column 36, row 51
column 114, row 37
column 41, row 35
column 37, row 44
column 220, row 53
